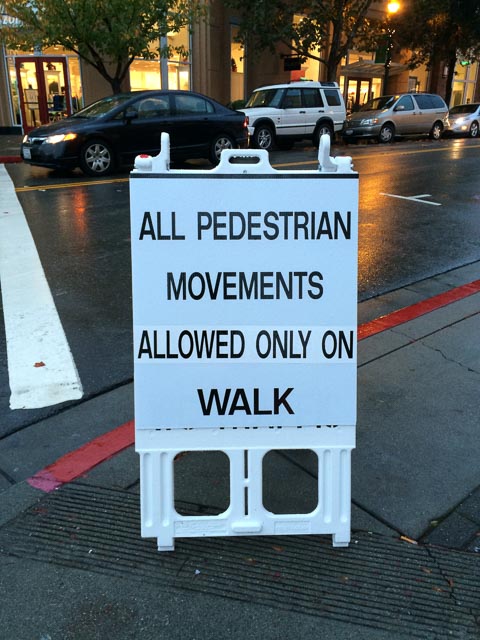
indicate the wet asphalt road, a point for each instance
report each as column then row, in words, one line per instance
column 82, row 232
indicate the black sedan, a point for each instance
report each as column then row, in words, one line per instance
column 113, row 131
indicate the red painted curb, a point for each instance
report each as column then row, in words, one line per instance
column 416, row 310
column 10, row 159
column 78, row 462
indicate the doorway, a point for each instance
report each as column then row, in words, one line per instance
column 358, row 91
column 43, row 90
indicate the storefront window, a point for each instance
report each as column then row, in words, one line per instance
column 179, row 75
column 154, row 74
column 145, row 74
column 14, row 91
column 463, row 89
column 237, row 75
column 461, row 71
column 179, row 63
column 75, row 83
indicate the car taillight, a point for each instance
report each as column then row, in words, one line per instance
column 245, row 122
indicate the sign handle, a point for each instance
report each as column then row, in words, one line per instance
column 242, row 161
column 327, row 164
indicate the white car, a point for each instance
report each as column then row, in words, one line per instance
column 464, row 120
column 281, row 114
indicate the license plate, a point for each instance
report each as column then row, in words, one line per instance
column 27, row 154
column 348, row 132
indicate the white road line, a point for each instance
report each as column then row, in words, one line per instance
column 418, row 198
column 41, row 369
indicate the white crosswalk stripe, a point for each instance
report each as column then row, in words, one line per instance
column 41, row 368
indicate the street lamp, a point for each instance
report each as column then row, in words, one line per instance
column 392, row 8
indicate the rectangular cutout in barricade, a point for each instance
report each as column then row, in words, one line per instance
column 245, row 316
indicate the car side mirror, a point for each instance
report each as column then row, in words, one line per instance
column 130, row 114
column 400, row 107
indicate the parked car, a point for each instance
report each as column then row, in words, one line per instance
column 283, row 113
column 464, row 120
column 114, row 130
column 406, row 114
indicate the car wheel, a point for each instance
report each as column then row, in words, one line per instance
column 96, row 158
column 437, row 130
column 473, row 133
column 263, row 137
column 387, row 134
column 220, row 143
column 320, row 131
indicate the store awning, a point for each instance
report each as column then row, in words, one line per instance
column 371, row 69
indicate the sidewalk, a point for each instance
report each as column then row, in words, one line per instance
column 74, row 567
column 73, row 561
column 10, row 148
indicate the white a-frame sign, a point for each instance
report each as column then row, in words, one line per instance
column 245, row 316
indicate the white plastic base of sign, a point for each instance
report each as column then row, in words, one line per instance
column 246, row 515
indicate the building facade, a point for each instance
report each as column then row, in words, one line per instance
column 41, row 86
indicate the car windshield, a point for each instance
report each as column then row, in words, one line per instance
column 463, row 108
column 377, row 104
column 102, row 107
column 265, row 98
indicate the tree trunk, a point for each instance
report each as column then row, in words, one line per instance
column 331, row 71
column 452, row 60
column 332, row 60
column 116, row 85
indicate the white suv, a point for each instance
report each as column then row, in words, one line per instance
column 283, row 113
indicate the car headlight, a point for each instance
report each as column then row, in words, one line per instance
column 459, row 120
column 366, row 122
column 60, row 137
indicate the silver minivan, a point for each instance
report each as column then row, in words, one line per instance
column 406, row 114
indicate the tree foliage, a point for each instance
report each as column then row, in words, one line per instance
column 108, row 34
column 325, row 32
column 440, row 31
